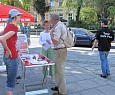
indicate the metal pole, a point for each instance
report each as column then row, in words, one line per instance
column 36, row 31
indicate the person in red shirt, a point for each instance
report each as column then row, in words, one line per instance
column 8, row 40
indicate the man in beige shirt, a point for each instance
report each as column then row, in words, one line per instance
column 60, row 51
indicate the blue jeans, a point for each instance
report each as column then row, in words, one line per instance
column 11, row 69
column 104, row 62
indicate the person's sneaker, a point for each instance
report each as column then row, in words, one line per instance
column 54, row 88
column 103, row 76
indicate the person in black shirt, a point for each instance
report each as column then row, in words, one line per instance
column 104, row 37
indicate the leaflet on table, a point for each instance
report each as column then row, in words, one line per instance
column 26, row 56
column 30, row 56
column 33, row 61
column 34, row 58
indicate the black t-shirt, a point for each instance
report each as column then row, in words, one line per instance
column 104, row 36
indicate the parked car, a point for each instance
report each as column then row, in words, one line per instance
column 83, row 36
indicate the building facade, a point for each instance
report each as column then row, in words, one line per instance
column 56, row 8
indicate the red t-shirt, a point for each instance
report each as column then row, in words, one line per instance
column 11, row 42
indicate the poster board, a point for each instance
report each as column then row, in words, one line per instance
column 22, row 44
column 2, row 66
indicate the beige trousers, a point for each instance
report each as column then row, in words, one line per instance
column 59, row 59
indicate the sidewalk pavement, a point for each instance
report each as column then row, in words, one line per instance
column 81, row 78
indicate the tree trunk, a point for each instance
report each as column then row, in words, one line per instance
column 78, row 13
column 99, row 16
column 79, row 9
column 12, row 2
column 42, row 17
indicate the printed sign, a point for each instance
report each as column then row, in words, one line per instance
column 22, row 45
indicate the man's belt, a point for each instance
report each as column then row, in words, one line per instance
column 59, row 48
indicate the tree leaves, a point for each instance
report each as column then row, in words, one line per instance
column 41, row 7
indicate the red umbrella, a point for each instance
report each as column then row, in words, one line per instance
column 4, row 10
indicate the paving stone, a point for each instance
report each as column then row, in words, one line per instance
column 73, row 88
column 100, row 82
column 83, row 65
column 93, row 67
column 112, row 83
column 112, row 70
column 86, row 84
column 22, row 93
column 1, row 90
column 90, row 68
column 75, row 94
column 83, row 76
column 97, row 71
column 91, row 92
column 71, row 79
column 107, row 89
column 29, row 72
column 73, row 71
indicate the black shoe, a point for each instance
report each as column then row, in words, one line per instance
column 108, row 74
column 103, row 76
column 18, row 77
column 55, row 89
column 16, row 82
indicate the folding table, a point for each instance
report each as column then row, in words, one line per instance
column 26, row 64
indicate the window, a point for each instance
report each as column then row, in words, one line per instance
column 52, row 3
column 70, row 16
column 60, row 3
column 61, row 16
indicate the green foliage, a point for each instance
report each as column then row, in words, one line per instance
column 111, row 11
column 41, row 7
column 23, row 4
column 112, row 26
column 69, row 4
column 74, row 23
column 89, row 3
column 26, row 4
column 88, row 15
column 71, row 23
column 81, row 24
column 73, row 4
column 102, row 7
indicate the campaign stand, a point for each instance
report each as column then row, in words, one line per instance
column 32, row 61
